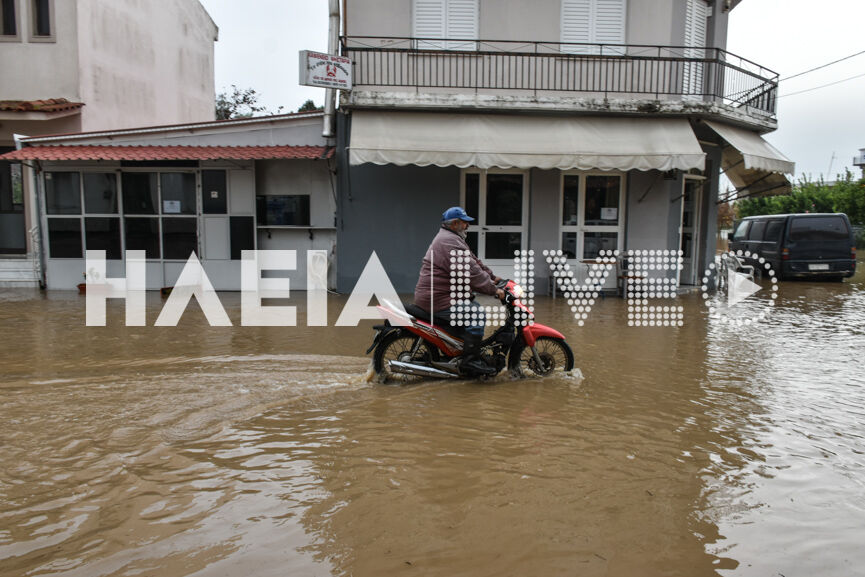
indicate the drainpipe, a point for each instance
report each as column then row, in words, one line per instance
column 332, row 48
column 37, row 169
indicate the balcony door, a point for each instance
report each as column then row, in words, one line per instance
column 498, row 200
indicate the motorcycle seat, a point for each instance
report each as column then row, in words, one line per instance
column 442, row 319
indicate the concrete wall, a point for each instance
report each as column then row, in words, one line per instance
column 145, row 63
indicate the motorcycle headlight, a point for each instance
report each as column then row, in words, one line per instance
column 518, row 291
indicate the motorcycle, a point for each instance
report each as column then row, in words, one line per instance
column 409, row 346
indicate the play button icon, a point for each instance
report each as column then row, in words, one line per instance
column 739, row 288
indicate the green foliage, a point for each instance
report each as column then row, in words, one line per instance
column 240, row 104
column 847, row 195
column 309, row 106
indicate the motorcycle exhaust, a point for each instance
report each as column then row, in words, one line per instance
column 419, row 370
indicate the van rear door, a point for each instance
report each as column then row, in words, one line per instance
column 824, row 237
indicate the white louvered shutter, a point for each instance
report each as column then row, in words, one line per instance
column 428, row 21
column 609, row 24
column 576, row 24
column 461, row 23
column 695, row 40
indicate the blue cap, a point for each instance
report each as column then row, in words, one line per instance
column 456, row 212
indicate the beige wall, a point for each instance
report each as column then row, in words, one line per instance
column 43, row 69
column 145, row 63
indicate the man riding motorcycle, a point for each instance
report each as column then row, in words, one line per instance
column 433, row 290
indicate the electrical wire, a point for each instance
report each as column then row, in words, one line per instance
column 823, row 66
column 822, row 86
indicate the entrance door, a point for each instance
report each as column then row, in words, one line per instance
column 499, row 203
column 689, row 231
column 12, row 230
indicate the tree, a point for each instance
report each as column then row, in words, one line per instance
column 309, row 106
column 240, row 104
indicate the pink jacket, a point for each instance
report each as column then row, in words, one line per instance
column 436, row 271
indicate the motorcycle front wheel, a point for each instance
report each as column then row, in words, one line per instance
column 398, row 346
column 555, row 355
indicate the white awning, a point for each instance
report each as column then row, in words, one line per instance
column 511, row 141
column 756, row 152
column 755, row 167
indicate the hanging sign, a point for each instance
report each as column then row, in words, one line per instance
column 324, row 70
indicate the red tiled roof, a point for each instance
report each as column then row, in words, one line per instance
column 49, row 105
column 99, row 152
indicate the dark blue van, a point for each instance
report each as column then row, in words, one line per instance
column 799, row 245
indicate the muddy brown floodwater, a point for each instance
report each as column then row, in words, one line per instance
column 714, row 448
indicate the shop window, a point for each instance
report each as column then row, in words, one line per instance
column 142, row 234
column 595, row 242
column 140, row 194
column 242, row 235
column 8, row 19
column 498, row 202
column 214, row 192
column 62, row 193
column 502, row 244
column 103, row 234
column 283, row 210
column 571, row 201
column 602, row 200
column 504, row 200
column 178, row 192
column 100, row 193
column 64, row 238
column 179, row 238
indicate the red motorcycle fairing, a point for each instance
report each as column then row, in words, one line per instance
column 448, row 344
column 533, row 331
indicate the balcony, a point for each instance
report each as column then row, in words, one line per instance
column 639, row 79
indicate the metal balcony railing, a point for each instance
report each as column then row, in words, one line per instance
column 612, row 71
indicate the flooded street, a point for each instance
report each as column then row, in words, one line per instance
column 708, row 449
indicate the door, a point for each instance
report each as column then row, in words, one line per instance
column 689, row 231
column 13, row 236
column 499, row 203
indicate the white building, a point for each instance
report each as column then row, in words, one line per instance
column 68, row 66
column 573, row 125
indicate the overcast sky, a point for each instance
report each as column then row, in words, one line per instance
column 259, row 41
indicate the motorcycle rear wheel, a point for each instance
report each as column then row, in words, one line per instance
column 556, row 356
column 398, row 346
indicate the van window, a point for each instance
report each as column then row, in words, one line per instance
column 774, row 230
column 742, row 230
column 757, row 230
column 819, row 228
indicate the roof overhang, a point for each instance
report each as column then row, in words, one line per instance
column 523, row 141
column 38, row 109
column 167, row 153
column 755, row 167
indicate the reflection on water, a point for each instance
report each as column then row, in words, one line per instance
column 709, row 449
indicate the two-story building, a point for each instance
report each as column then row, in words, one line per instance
column 572, row 125
column 68, row 66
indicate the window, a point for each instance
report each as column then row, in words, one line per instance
column 179, row 238
column 696, row 13
column 757, row 230
column 819, row 228
column 742, row 230
column 100, row 193
column 143, row 234
column 591, row 219
column 140, row 195
column 8, row 19
column 455, row 20
column 498, row 201
column 214, row 193
column 64, row 238
column 242, row 235
column 593, row 22
column 774, row 230
column 178, row 192
column 103, row 234
column 62, row 193
column 283, row 210
column 43, row 18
